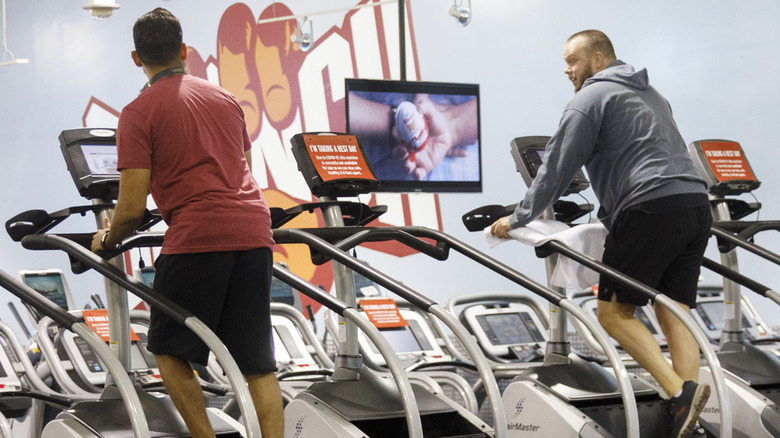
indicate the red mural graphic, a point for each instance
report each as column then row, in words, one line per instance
column 284, row 91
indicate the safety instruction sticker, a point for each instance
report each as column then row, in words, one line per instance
column 727, row 161
column 383, row 313
column 337, row 157
column 97, row 320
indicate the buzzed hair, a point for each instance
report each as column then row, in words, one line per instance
column 596, row 41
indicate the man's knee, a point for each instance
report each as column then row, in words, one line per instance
column 612, row 314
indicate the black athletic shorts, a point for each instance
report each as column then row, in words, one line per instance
column 660, row 243
column 230, row 292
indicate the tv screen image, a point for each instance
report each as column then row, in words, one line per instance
column 418, row 136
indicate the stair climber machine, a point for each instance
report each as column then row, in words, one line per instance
column 417, row 346
column 357, row 401
column 73, row 365
column 528, row 153
column 753, row 368
column 709, row 315
column 22, row 393
column 332, row 241
column 122, row 408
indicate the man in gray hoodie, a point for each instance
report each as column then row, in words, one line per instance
column 653, row 203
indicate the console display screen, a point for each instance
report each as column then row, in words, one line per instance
column 509, row 328
column 50, row 285
column 406, row 130
column 711, row 313
column 401, row 339
column 100, row 158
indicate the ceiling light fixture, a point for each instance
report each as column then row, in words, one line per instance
column 304, row 40
column 14, row 59
column 461, row 13
column 101, row 9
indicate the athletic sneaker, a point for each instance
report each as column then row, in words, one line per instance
column 685, row 409
column 698, row 432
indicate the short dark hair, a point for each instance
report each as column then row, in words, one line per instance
column 157, row 36
column 596, row 41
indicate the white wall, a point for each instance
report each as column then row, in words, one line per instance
column 715, row 61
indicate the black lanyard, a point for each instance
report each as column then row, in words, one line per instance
column 168, row 72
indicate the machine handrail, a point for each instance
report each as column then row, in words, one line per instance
column 174, row 311
column 701, row 339
column 357, row 236
column 411, row 410
column 737, row 277
column 125, row 386
column 347, row 237
column 739, row 240
column 40, row 221
column 747, row 229
column 30, row 374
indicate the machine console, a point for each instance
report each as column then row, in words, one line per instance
column 724, row 165
column 51, row 284
column 290, row 350
column 91, row 158
column 333, row 164
column 412, row 342
column 709, row 314
column 528, row 153
column 506, row 330
column 90, row 368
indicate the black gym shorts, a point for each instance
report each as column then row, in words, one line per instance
column 230, row 293
column 660, row 243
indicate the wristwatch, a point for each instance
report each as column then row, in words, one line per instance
column 103, row 243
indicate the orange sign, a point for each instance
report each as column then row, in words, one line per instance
column 383, row 313
column 727, row 161
column 337, row 157
column 97, row 320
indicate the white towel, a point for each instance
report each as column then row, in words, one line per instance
column 587, row 239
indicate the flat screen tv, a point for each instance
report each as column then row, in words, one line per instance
column 418, row 136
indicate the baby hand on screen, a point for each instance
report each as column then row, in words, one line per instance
column 443, row 136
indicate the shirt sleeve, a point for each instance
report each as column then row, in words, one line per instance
column 566, row 152
column 133, row 141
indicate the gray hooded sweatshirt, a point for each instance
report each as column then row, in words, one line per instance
column 621, row 129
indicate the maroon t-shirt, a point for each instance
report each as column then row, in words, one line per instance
column 192, row 135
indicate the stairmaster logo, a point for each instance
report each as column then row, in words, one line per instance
column 522, row 427
column 298, row 427
column 711, row 410
column 519, row 407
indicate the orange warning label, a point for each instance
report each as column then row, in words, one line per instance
column 383, row 313
column 727, row 161
column 97, row 320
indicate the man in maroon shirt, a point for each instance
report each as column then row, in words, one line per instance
column 184, row 140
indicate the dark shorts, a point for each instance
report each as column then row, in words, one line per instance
column 660, row 243
column 230, row 293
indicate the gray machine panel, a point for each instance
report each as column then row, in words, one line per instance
column 502, row 328
column 411, row 343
